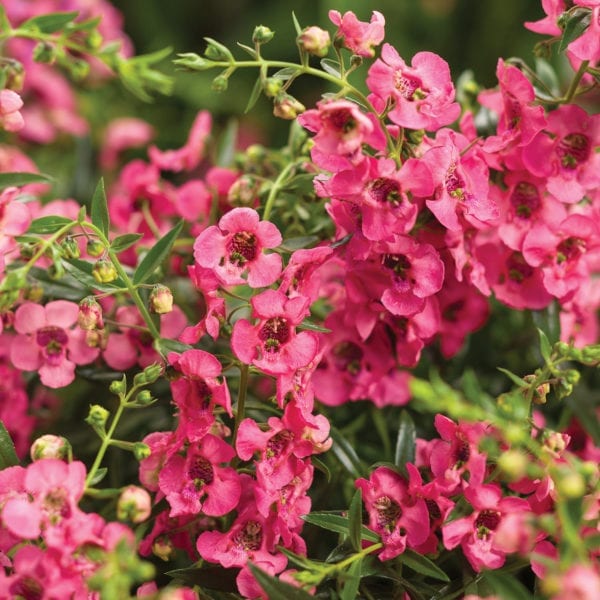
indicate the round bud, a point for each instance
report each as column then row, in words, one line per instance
column 90, row 314
column 262, row 34
column 144, row 398
column 161, row 299
column 95, row 248
column 104, row 271
column 219, row 83
column 315, row 40
column 571, row 485
column 97, row 417
column 141, row 451
column 50, row 446
column 513, row 463
column 134, row 504
column 287, row 107
column 70, row 248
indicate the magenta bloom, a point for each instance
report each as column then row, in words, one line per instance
column 475, row 533
column 358, row 36
column 197, row 481
column 272, row 344
column 400, row 520
column 234, row 248
column 122, row 134
column 423, row 93
column 49, row 342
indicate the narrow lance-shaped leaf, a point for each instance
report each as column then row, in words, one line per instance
column 277, row 589
column 352, row 581
column 339, row 524
column 156, row 255
column 421, row 564
column 49, row 23
column 99, row 209
column 122, row 242
column 20, row 179
column 254, row 95
column 50, row 224
column 405, row 442
column 355, row 520
column 8, row 455
column 578, row 22
column 506, row 585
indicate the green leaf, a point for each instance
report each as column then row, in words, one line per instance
column 406, row 440
column 157, row 254
column 4, row 22
column 122, row 242
column 98, row 476
column 8, row 455
column 339, row 524
column 577, row 23
column 49, row 23
column 285, row 74
column 254, row 95
column 82, row 271
column 421, row 564
column 300, row 561
column 227, row 144
column 545, row 347
column 301, row 241
column 506, row 585
column 251, row 51
column 277, row 589
column 514, row 378
column 165, row 345
column 310, row 326
column 331, row 66
column 355, row 520
column 19, row 179
column 345, row 453
column 99, row 209
column 296, row 24
column 548, row 320
column 352, row 581
column 210, row 577
column 321, row 466
column 49, row 224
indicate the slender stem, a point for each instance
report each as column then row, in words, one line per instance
column 241, row 401
column 575, row 82
column 275, row 187
column 106, row 441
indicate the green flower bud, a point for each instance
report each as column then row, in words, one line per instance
column 97, row 417
column 513, row 463
column 70, row 248
column 95, row 248
column 219, row 83
column 162, row 547
column 94, row 40
column 56, row 271
column 118, row 386
column 287, row 107
column 44, row 52
column 272, row 87
column 34, row 292
column 262, row 34
column 50, row 446
column 141, row 451
column 571, row 485
column 144, row 398
column 104, row 271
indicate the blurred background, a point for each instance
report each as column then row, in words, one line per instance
column 469, row 34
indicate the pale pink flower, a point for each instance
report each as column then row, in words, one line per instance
column 10, row 117
column 122, row 134
column 234, row 248
column 50, row 342
column 422, row 93
column 358, row 36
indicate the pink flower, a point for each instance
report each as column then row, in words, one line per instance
column 566, row 153
column 579, row 581
column 422, row 94
column 272, row 344
column 122, row 134
column 476, row 533
column 587, row 45
column 235, row 247
column 189, row 156
column 549, row 24
column 197, row 481
column 15, row 218
column 358, row 36
column 341, row 129
column 400, row 520
column 10, row 117
column 49, row 342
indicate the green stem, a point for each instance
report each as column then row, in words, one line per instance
column 575, row 82
column 106, row 442
column 241, row 401
column 275, row 187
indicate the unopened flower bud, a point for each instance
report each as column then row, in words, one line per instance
column 118, row 386
column 513, row 463
column 144, row 398
column 571, row 485
column 262, row 34
column 287, row 107
column 90, row 314
column 219, row 83
column 104, row 271
column 243, row 191
column 34, row 292
column 141, row 451
column 97, row 417
column 161, row 299
column 555, row 443
column 134, row 504
column 95, row 248
column 94, row 40
column 356, row 60
column 70, row 248
column 315, row 40
column 78, row 69
column 96, row 338
column 14, row 74
column 272, row 87
column 50, row 446
column 162, row 547
column 56, row 271
column 44, row 52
